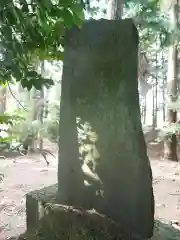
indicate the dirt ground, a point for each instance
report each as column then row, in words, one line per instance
column 26, row 174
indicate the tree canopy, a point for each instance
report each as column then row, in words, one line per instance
column 31, row 29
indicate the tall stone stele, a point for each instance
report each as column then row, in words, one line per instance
column 99, row 86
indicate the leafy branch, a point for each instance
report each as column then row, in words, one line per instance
column 31, row 29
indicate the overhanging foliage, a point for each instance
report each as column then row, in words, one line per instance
column 31, row 29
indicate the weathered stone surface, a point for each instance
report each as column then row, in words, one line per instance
column 50, row 220
column 53, row 221
column 34, row 206
column 99, row 86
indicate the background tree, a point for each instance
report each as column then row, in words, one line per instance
column 171, row 142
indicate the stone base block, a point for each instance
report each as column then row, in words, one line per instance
column 34, row 204
column 48, row 220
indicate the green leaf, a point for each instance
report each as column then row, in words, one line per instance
column 32, row 74
column 48, row 4
column 36, row 83
column 59, row 55
column 18, row 47
column 49, row 82
column 16, row 71
column 24, row 8
column 24, row 82
column 29, row 86
column 31, row 30
column 68, row 17
column 77, row 21
column 78, row 10
column 7, row 32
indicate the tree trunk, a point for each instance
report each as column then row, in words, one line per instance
column 170, row 145
column 20, row 92
column 154, row 119
column 41, row 108
column 99, row 86
column 115, row 9
column 3, row 100
column 156, row 92
column 32, row 117
column 145, row 110
column 163, row 88
column 41, row 118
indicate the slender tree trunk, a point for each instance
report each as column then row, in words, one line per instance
column 41, row 115
column 3, row 100
column 163, row 89
column 115, row 9
column 144, row 116
column 32, row 117
column 156, row 93
column 170, row 146
column 153, row 107
column 20, row 91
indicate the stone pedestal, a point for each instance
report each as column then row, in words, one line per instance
column 48, row 220
column 34, row 207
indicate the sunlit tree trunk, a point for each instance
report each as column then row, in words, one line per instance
column 32, row 117
column 21, row 94
column 115, row 9
column 153, row 107
column 170, row 146
column 143, row 110
column 2, row 100
column 41, row 114
column 163, row 88
column 156, row 94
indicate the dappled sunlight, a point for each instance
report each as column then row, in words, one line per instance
column 89, row 155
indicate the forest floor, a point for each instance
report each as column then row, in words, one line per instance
column 30, row 173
